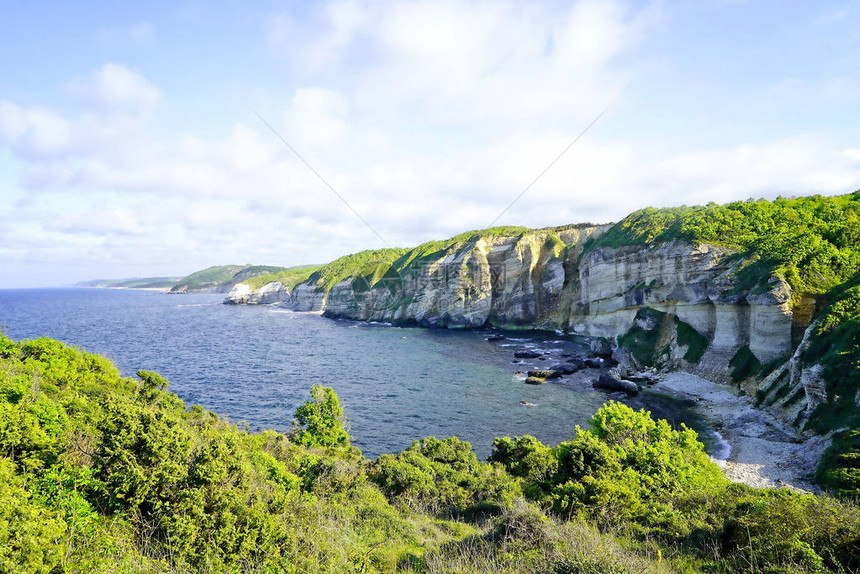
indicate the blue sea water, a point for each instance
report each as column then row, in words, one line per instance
column 257, row 364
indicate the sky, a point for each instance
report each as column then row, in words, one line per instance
column 134, row 138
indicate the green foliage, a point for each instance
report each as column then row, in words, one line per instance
column 525, row 457
column 839, row 469
column 289, row 277
column 631, row 473
column 30, row 534
column 813, row 242
column 643, row 343
column 369, row 263
column 835, row 344
column 320, row 420
column 782, row 531
column 623, row 467
column 744, row 364
column 444, row 476
column 101, row 473
column 651, row 346
column 695, row 342
column 220, row 277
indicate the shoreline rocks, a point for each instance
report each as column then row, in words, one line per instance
column 612, row 383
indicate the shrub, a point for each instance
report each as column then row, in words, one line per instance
column 444, row 476
column 30, row 535
column 839, row 469
column 320, row 420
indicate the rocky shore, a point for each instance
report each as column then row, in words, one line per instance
column 761, row 450
column 751, row 445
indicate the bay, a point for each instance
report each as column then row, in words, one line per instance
column 256, row 364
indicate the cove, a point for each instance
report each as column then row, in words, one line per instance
column 257, row 364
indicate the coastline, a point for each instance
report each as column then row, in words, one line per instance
column 762, row 452
column 757, row 449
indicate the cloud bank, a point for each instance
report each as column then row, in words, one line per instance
column 428, row 117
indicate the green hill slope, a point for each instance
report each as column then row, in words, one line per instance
column 220, row 278
column 103, row 473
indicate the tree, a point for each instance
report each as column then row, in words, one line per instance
column 320, row 420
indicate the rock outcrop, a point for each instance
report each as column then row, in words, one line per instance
column 242, row 294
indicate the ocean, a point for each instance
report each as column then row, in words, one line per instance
column 256, row 365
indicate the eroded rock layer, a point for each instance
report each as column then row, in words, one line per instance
column 553, row 279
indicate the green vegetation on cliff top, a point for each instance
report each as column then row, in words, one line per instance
column 813, row 242
column 370, row 266
column 103, row 473
column 289, row 277
column 220, row 277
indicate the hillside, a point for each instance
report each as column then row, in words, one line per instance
column 103, row 473
column 220, row 278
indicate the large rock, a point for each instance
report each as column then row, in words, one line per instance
column 544, row 374
column 535, row 380
column 594, row 363
column 566, row 368
column 242, row 294
column 601, row 347
column 607, row 381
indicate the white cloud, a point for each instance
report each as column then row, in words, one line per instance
column 33, row 131
column 317, row 117
column 439, row 115
column 115, row 87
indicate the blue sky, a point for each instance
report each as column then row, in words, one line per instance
column 129, row 144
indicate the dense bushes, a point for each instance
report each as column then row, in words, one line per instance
column 625, row 466
column 813, row 242
column 444, row 476
column 630, row 472
column 839, row 469
column 320, row 420
column 104, row 473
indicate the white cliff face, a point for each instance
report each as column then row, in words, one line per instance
column 240, row 294
column 693, row 283
column 270, row 293
column 671, row 277
column 541, row 280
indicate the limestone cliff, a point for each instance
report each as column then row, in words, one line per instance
column 562, row 279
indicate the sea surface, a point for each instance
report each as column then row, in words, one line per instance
column 256, row 364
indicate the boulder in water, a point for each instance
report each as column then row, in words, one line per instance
column 535, row 381
column 544, row 374
column 565, row 368
column 526, row 355
column 594, row 363
column 607, row 381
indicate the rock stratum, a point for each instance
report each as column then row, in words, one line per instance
column 653, row 285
